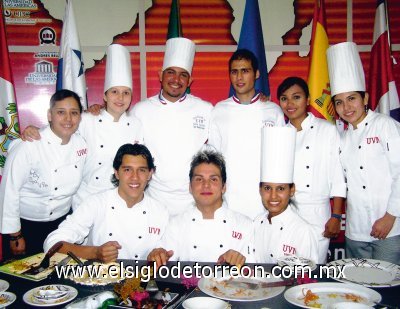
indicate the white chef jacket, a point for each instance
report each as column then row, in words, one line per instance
column 235, row 130
column 318, row 174
column 39, row 179
column 287, row 234
column 104, row 137
column 370, row 157
column 193, row 238
column 105, row 217
column 174, row 133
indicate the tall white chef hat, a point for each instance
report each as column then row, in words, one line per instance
column 278, row 146
column 346, row 72
column 118, row 67
column 179, row 52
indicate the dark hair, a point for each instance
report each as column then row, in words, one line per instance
column 291, row 81
column 62, row 94
column 134, row 150
column 361, row 93
column 244, row 54
column 209, row 157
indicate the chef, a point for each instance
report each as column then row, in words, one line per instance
column 370, row 158
column 318, row 173
column 40, row 178
column 208, row 231
column 281, row 231
column 235, row 130
column 124, row 222
column 173, row 119
column 106, row 132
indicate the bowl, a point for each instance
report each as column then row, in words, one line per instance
column 204, row 303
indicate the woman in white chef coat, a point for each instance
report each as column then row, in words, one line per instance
column 369, row 153
column 109, row 130
column 40, row 178
column 209, row 231
column 280, row 231
column 318, row 173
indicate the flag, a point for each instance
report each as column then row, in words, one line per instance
column 174, row 24
column 70, row 72
column 382, row 88
column 318, row 77
column 9, row 126
column 251, row 38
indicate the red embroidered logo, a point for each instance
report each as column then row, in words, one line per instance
column 154, row 230
column 372, row 140
column 82, row 152
column 237, row 235
column 289, row 249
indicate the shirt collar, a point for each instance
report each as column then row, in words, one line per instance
column 253, row 100
column 164, row 101
column 364, row 122
column 50, row 136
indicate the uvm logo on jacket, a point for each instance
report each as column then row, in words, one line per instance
column 236, row 235
column 154, row 230
column 288, row 250
column 373, row 140
column 82, row 152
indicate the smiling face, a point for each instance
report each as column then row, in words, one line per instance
column 350, row 106
column 243, row 79
column 133, row 176
column 207, row 186
column 174, row 82
column 118, row 100
column 294, row 103
column 64, row 117
column 275, row 197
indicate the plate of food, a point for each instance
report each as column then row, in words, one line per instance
column 325, row 295
column 292, row 261
column 50, row 295
column 239, row 288
column 367, row 272
column 97, row 274
column 6, row 299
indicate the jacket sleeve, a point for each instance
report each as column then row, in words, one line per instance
column 214, row 135
column 76, row 227
column 15, row 174
column 337, row 182
column 392, row 151
column 171, row 237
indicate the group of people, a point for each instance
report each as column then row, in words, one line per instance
column 175, row 178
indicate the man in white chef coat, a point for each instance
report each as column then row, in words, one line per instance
column 235, row 130
column 208, row 231
column 122, row 223
column 173, row 119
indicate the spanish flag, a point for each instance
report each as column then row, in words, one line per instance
column 318, row 78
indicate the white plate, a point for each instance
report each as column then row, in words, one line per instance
column 4, row 285
column 219, row 288
column 367, row 272
column 30, row 299
column 331, row 293
column 8, row 297
column 292, row 260
column 204, row 303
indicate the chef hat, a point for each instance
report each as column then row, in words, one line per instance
column 278, row 146
column 179, row 52
column 118, row 67
column 346, row 72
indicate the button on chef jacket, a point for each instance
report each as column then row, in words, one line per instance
column 174, row 133
column 193, row 238
column 318, row 174
column 235, row 130
column 105, row 217
column 104, row 137
column 287, row 234
column 39, row 179
column 370, row 157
